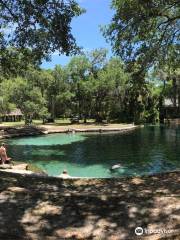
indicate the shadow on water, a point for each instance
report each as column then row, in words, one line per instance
column 143, row 151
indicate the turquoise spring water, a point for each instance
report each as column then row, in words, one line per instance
column 147, row 150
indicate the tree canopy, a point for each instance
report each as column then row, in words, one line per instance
column 144, row 35
column 89, row 86
column 32, row 30
column 145, row 31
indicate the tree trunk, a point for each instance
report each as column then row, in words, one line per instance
column 53, row 108
column 161, row 110
column 85, row 120
column 99, row 118
column 26, row 119
column 174, row 92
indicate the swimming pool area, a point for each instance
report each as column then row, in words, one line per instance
column 148, row 150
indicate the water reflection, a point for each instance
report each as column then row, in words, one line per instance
column 144, row 151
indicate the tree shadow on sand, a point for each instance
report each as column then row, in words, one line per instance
column 52, row 209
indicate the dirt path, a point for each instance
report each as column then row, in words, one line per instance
column 41, row 208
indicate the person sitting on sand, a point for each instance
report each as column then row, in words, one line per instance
column 3, row 154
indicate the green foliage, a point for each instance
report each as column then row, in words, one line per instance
column 144, row 31
column 14, row 61
column 109, row 89
column 90, row 86
column 145, row 34
column 78, row 80
column 24, row 96
column 32, row 30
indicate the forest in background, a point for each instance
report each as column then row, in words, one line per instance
column 132, row 86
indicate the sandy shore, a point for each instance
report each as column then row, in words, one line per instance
column 41, row 208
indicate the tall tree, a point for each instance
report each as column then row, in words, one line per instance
column 24, row 96
column 40, row 78
column 57, row 91
column 78, row 71
column 145, row 31
column 36, row 29
column 109, row 89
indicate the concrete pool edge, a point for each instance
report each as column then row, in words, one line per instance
column 9, row 132
column 24, row 172
column 96, row 130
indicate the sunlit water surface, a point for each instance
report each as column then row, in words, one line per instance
column 148, row 150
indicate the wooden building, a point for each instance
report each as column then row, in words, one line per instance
column 13, row 116
column 171, row 110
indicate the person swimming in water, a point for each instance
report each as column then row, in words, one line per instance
column 3, row 154
column 116, row 166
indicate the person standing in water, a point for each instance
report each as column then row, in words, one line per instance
column 3, row 154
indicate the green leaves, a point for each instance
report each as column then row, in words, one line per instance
column 23, row 95
column 36, row 29
column 90, row 86
column 144, row 31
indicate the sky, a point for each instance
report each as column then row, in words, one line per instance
column 86, row 30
